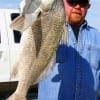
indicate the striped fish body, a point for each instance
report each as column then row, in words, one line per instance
column 52, row 30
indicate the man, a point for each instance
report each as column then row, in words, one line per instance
column 77, row 69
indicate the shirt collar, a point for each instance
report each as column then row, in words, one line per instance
column 84, row 25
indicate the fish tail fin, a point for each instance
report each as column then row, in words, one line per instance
column 22, row 22
column 18, row 23
column 16, row 96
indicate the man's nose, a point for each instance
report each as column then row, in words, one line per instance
column 77, row 6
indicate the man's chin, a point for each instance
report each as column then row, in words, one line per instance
column 75, row 22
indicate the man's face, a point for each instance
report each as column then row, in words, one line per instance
column 75, row 13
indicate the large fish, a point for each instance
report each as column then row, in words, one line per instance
column 38, row 46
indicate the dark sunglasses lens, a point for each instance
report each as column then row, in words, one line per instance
column 82, row 3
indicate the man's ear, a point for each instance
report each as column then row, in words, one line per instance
column 89, row 5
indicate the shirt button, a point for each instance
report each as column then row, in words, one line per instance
column 74, row 42
column 69, row 30
column 77, row 86
column 74, row 95
column 78, row 68
column 89, row 48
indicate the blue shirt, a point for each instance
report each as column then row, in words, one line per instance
column 77, row 71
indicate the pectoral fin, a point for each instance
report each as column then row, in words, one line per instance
column 22, row 22
column 18, row 23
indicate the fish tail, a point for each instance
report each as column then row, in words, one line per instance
column 18, row 23
column 15, row 96
column 22, row 22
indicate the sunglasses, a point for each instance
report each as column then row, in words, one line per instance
column 81, row 3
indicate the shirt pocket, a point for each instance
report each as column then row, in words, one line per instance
column 94, row 54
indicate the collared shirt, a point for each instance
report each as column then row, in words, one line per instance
column 77, row 70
